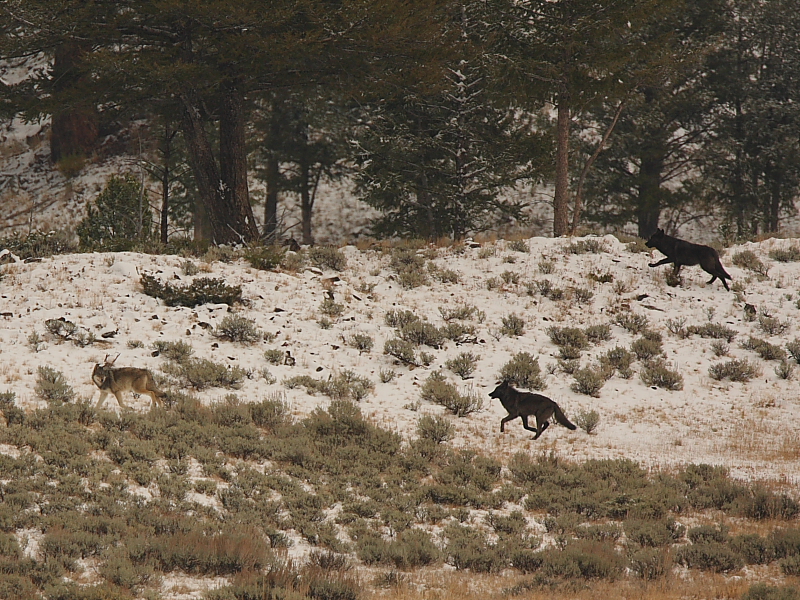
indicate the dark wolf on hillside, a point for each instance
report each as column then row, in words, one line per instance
column 680, row 252
column 526, row 404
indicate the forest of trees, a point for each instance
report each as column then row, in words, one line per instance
column 633, row 112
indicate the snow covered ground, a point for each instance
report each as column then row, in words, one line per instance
column 750, row 427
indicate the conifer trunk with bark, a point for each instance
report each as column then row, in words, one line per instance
column 222, row 189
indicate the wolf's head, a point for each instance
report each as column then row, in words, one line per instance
column 99, row 375
column 655, row 238
column 500, row 390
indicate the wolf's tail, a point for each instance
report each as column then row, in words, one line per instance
column 562, row 418
column 721, row 272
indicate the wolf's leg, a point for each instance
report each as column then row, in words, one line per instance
column 504, row 421
column 103, row 394
column 713, row 279
column 677, row 269
column 663, row 261
column 541, row 428
column 528, row 427
column 154, row 399
column 119, row 399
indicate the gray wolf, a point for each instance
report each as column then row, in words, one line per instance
column 526, row 404
column 115, row 380
column 681, row 252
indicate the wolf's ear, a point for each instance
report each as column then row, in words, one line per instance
column 659, row 230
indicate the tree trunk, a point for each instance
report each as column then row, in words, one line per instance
column 166, row 154
column 561, row 197
column 773, row 178
column 648, row 207
column 206, row 173
column 75, row 128
column 225, row 200
column 270, row 232
column 233, row 164
column 305, row 199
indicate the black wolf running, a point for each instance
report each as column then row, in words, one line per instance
column 525, row 404
column 681, row 252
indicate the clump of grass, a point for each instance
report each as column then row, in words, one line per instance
column 735, row 370
column 51, row 385
column 677, row 327
column 409, row 266
column 435, row 428
column 618, row 359
column 400, row 318
column 35, row 341
column 509, row 277
column 344, row 386
column 772, row 325
column 463, row 365
column 177, row 351
column 386, row 375
column 712, row 556
column 513, row 325
column 631, row 322
column 201, row 373
column 361, row 342
column 658, row 373
column 402, row 350
column 588, row 381
column 568, row 336
column 793, row 348
column 747, row 259
column 764, row 349
column 784, row 370
column 327, row 257
column 444, row 275
column 589, row 246
column 463, row 312
column 598, row 333
column 204, row 290
column 720, row 348
column 546, row 288
column 265, row 258
column 518, row 246
column 546, row 267
column 275, row 356
column 236, row 328
column 438, row 390
column 331, row 308
column 581, row 295
column 712, row 330
column 790, row 254
column 588, row 421
column 647, row 347
column 523, row 370
column 422, row 333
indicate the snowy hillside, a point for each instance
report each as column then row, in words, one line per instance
column 751, row 427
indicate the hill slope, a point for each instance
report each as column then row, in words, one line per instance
column 750, row 427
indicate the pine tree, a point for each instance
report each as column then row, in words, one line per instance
column 434, row 160
column 651, row 163
column 213, row 58
column 752, row 165
column 575, row 54
column 119, row 218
